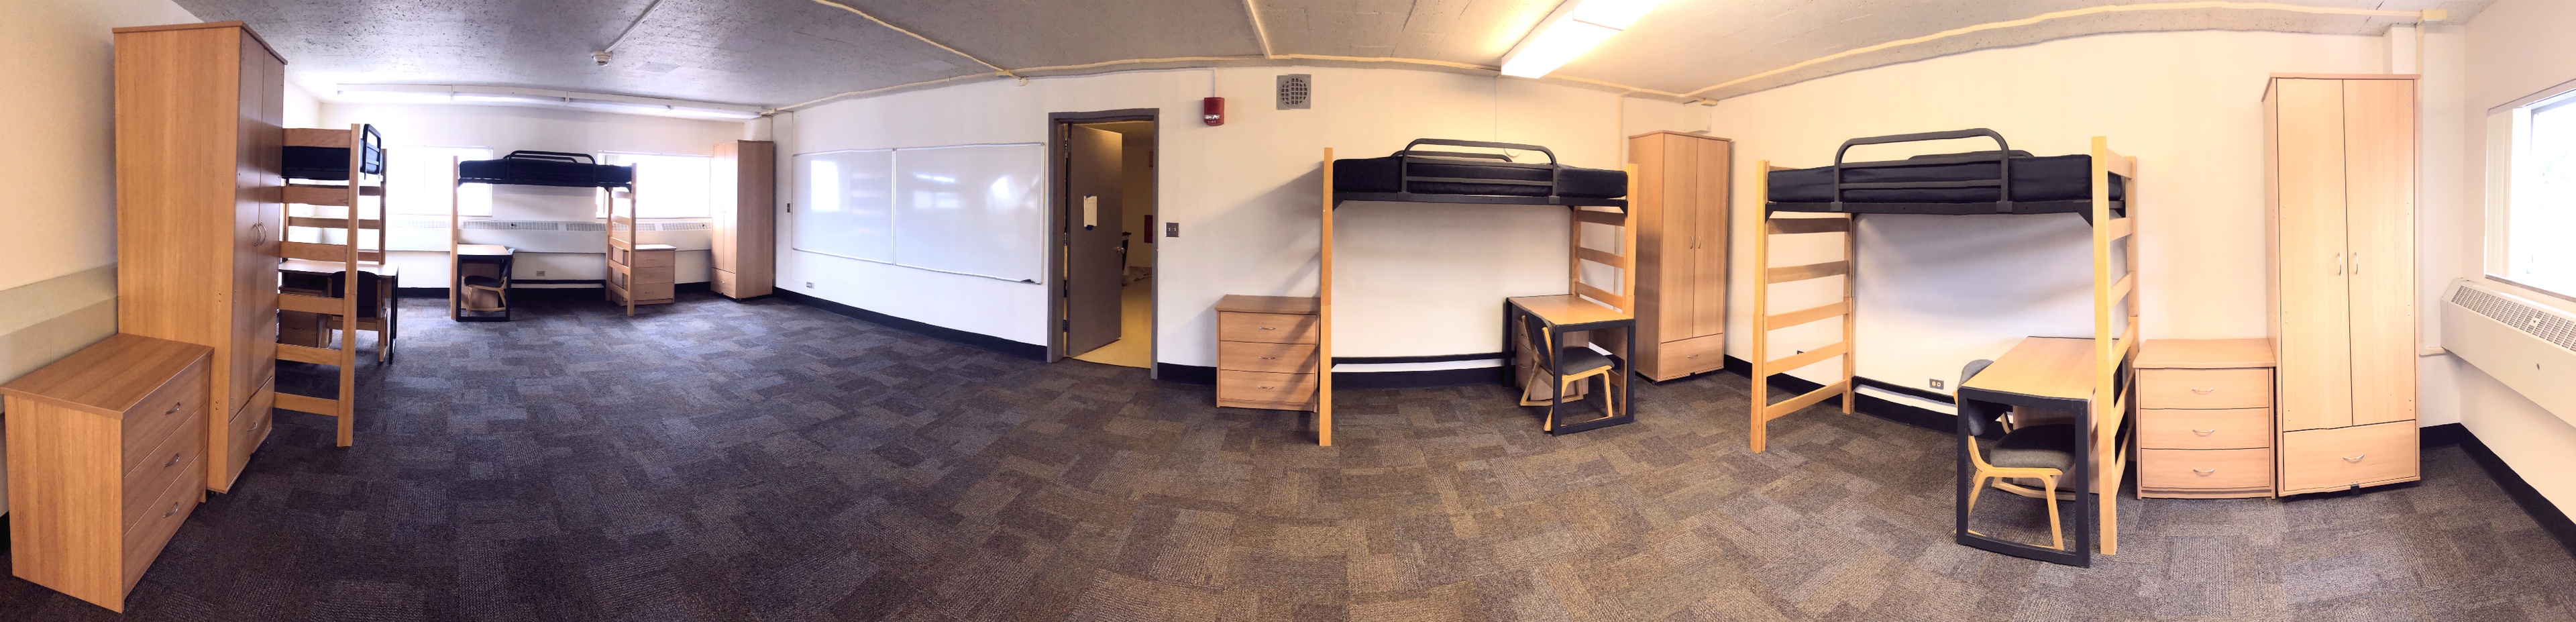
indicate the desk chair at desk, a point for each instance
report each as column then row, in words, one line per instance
column 482, row 283
column 2051, row 374
column 1542, row 352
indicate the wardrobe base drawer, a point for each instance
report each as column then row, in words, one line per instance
column 2346, row 458
column 2206, row 472
column 2227, row 428
column 1297, row 390
column 1674, row 359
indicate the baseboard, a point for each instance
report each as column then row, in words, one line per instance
column 1028, row 351
column 1433, row 358
column 2551, row 518
column 1871, row 405
column 1413, row 379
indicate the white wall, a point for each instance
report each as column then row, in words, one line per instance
column 1939, row 291
column 1413, row 279
column 508, row 128
column 2514, row 48
column 58, row 159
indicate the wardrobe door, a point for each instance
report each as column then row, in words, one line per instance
column 2316, row 380
column 2379, row 167
column 1677, row 320
column 258, row 221
column 722, row 190
column 1708, row 282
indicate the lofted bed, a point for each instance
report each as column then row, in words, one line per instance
column 2098, row 186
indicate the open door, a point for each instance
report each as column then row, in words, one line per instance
column 1092, row 224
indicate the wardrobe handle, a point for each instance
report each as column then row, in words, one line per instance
column 2356, row 262
column 2205, row 473
column 2338, row 264
column 2205, row 432
column 2356, row 459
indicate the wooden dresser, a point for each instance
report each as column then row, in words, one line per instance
column 646, row 274
column 746, row 177
column 107, row 455
column 200, row 217
column 2341, row 166
column 1266, row 352
column 1680, row 212
column 2205, row 418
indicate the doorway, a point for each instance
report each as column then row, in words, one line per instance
column 1105, row 210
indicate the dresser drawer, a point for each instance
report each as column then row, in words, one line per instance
column 2224, row 428
column 1266, row 327
column 2204, row 388
column 645, row 276
column 642, row 292
column 2340, row 458
column 643, row 258
column 1285, row 358
column 177, row 460
column 1253, row 386
column 162, row 413
column 1674, row 359
column 152, row 524
column 2205, row 469
column 723, row 283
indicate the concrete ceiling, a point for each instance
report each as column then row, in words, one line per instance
column 777, row 52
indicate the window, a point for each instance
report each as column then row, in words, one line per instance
column 420, row 178
column 670, row 186
column 2540, row 214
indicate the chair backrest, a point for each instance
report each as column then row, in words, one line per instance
column 369, row 298
column 1538, row 337
column 1972, row 426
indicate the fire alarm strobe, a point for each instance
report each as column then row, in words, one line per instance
column 1212, row 110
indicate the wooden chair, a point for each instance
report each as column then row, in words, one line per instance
column 1569, row 365
column 477, row 286
column 378, row 309
column 2041, row 452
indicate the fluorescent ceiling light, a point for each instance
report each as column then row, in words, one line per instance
column 713, row 113
column 1575, row 28
column 618, row 106
column 508, row 98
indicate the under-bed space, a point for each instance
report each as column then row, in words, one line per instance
column 1464, row 177
column 1956, row 183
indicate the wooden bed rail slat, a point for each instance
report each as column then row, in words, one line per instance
column 1599, row 256
column 1787, row 274
column 307, row 404
column 332, row 223
column 1614, row 219
column 2121, row 289
column 307, row 354
column 1810, row 357
column 1787, row 226
column 1603, row 295
column 1779, row 321
column 2121, row 227
column 310, row 304
column 2114, row 162
column 1775, row 411
column 324, row 252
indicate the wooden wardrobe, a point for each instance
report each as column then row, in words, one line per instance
column 746, row 178
column 1681, row 213
column 2341, row 156
column 199, row 151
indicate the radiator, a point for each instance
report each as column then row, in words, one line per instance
column 2527, row 345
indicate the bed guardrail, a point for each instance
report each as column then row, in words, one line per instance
column 2002, row 157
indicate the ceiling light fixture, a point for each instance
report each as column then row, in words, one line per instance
column 1576, row 27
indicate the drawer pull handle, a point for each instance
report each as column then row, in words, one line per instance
column 1269, row 328
column 1690, row 356
column 2205, row 473
column 174, row 408
column 2355, row 459
column 174, row 509
column 1267, row 358
column 1266, row 387
column 174, row 461
column 2204, row 391
column 2205, row 432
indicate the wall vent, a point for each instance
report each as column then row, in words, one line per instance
column 2548, row 327
column 2528, row 346
column 1296, row 91
column 511, row 225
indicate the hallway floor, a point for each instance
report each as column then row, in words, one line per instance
column 1135, row 344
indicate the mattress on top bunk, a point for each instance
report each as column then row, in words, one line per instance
column 1387, row 175
column 2034, row 179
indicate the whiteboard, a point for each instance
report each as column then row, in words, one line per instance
column 972, row 209
column 847, row 200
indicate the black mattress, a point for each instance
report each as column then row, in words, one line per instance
column 1387, row 175
column 545, row 168
column 332, row 163
column 1950, row 183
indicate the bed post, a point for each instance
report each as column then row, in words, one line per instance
column 1324, row 312
column 1761, row 295
column 2115, row 297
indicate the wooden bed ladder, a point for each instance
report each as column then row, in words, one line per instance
column 350, row 199
column 620, row 266
column 1764, row 321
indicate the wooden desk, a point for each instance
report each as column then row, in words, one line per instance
column 493, row 254
column 305, row 329
column 2052, row 373
column 1567, row 313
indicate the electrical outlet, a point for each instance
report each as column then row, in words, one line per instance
column 541, row 273
column 1171, row 229
column 809, row 285
column 1936, row 383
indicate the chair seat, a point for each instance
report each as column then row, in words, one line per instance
column 2036, row 447
column 482, row 281
column 1571, row 361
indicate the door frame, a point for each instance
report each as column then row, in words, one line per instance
column 1057, row 155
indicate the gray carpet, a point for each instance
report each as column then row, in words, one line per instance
column 714, row 460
